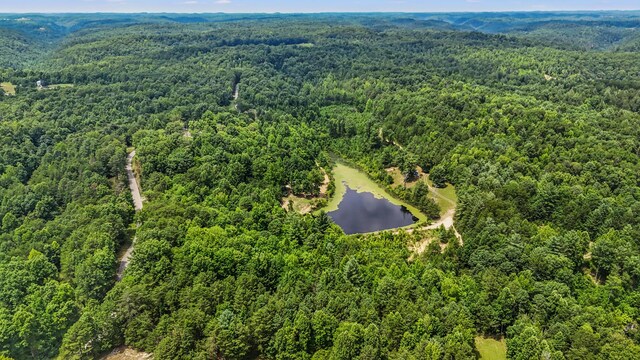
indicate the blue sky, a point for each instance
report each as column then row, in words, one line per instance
column 309, row 5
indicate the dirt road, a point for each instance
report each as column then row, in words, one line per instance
column 447, row 221
column 236, row 94
column 137, row 204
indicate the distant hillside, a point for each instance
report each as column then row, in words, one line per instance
column 578, row 30
column 26, row 38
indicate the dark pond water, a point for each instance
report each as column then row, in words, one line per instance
column 362, row 213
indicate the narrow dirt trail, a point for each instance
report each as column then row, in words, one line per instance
column 439, row 196
column 137, row 204
column 133, row 183
column 236, row 95
column 446, row 220
column 381, row 136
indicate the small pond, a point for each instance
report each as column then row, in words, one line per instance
column 362, row 212
column 360, row 205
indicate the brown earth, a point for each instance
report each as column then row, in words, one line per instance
column 126, row 353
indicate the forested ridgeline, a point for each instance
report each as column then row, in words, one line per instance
column 541, row 140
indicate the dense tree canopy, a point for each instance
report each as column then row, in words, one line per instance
column 540, row 136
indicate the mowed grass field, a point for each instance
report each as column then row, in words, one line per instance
column 8, row 88
column 491, row 349
column 445, row 197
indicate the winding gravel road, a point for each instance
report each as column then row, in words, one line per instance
column 133, row 183
column 137, row 204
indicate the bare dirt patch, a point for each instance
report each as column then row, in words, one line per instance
column 426, row 237
column 422, row 240
column 126, row 353
column 446, row 221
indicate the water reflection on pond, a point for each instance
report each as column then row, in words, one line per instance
column 361, row 212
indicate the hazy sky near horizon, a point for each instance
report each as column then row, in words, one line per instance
column 247, row 6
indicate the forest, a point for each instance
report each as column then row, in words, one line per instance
column 533, row 117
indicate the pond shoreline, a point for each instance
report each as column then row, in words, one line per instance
column 346, row 175
column 362, row 212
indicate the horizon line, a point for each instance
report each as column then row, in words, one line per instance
column 316, row 12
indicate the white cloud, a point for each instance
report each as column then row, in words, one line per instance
column 223, row 2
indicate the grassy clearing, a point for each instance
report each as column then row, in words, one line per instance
column 8, row 88
column 398, row 178
column 306, row 45
column 59, row 86
column 126, row 353
column 360, row 182
column 304, row 205
column 491, row 349
column 300, row 205
column 446, row 197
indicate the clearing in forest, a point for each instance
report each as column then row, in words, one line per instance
column 56, row 86
column 357, row 180
column 398, row 178
column 306, row 204
column 126, row 353
column 491, row 349
column 8, row 88
column 60, row 86
column 445, row 197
